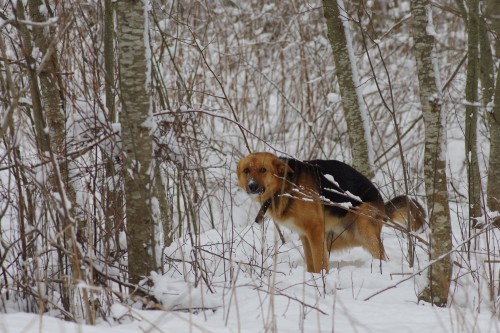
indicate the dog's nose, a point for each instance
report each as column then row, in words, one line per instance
column 253, row 187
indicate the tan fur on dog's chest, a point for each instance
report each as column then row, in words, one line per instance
column 304, row 215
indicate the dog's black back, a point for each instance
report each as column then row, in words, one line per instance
column 338, row 182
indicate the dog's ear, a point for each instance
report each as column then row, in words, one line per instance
column 282, row 168
column 238, row 167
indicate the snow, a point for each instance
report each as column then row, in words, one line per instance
column 158, row 230
column 331, row 180
column 353, row 196
column 429, row 29
column 285, row 297
column 333, row 98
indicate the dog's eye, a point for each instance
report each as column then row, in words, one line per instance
column 262, row 170
column 246, row 171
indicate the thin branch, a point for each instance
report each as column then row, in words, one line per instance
column 226, row 98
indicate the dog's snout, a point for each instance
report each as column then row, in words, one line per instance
column 253, row 187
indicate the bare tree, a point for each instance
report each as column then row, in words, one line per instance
column 434, row 155
column 26, row 39
column 48, row 75
column 493, row 185
column 40, row 47
column 136, row 132
column 347, row 75
column 471, row 112
column 113, row 193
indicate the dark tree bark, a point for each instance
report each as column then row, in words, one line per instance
column 471, row 112
column 493, row 186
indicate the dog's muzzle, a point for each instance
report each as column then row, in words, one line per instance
column 254, row 188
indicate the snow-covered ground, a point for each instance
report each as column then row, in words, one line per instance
column 257, row 284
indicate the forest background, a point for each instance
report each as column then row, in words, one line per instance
column 122, row 122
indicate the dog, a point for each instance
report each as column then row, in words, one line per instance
column 328, row 203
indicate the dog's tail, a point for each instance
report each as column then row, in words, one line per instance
column 402, row 208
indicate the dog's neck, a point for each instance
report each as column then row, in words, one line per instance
column 278, row 204
column 263, row 210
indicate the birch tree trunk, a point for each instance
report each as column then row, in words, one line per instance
column 352, row 102
column 471, row 110
column 493, row 185
column 434, row 155
column 46, row 88
column 137, row 144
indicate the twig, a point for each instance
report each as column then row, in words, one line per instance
column 279, row 293
column 236, row 122
column 226, row 98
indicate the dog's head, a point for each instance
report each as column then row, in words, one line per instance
column 262, row 175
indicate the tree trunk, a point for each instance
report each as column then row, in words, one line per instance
column 113, row 192
column 471, row 110
column 493, row 186
column 49, row 81
column 136, row 121
column 355, row 113
column 486, row 63
column 109, row 59
column 45, row 86
column 163, row 212
column 434, row 155
column 42, row 138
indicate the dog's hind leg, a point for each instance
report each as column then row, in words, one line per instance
column 307, row 253
column 368, row 226
column 368, row 235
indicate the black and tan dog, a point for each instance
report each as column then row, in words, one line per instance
column 328, row 203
